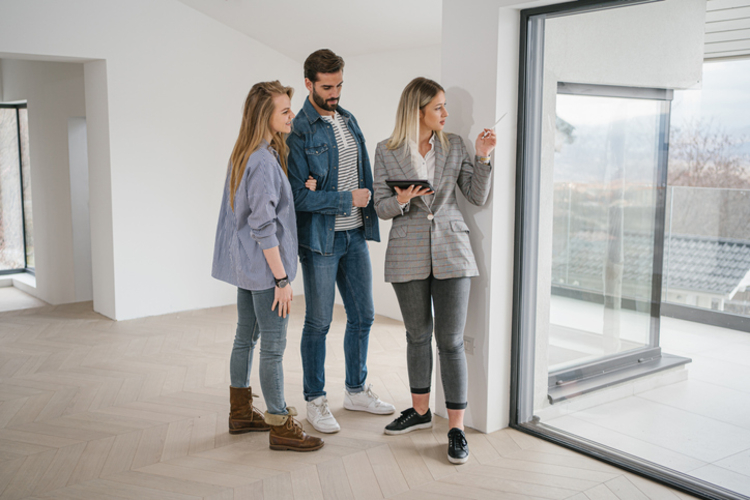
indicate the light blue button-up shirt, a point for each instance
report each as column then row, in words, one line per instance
column 263, row 218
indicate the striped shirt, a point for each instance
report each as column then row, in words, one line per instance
column 348, row 172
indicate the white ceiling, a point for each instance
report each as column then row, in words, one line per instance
column 348, row 27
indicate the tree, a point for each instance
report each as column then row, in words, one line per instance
column 704, row 155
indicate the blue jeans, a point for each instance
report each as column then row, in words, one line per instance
column 255, row 319
column 349, row 268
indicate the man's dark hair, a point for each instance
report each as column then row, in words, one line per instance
column 322, row 61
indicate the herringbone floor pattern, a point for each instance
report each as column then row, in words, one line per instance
column 96, row 409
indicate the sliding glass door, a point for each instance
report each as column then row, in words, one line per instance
column 590, row 371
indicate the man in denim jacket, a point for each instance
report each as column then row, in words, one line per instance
column 333, row 223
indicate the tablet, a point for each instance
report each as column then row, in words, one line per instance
column 404, row 184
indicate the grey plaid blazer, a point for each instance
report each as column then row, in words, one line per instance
column 435, row 237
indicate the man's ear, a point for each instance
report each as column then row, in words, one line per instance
column 308, row 85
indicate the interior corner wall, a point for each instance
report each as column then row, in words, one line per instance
column 480, row 74
column 372, row 88
column 174, row 83
column 657, row 45
column 55, row 93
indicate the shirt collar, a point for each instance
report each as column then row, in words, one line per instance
column 313, row 115
column 264, row 144
column 432, row 143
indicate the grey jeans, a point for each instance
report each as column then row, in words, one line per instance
column 450, row 298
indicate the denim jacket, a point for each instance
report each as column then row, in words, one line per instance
column 312, row 151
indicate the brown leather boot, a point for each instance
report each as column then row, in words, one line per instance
column 243, row 416
column 287, row 434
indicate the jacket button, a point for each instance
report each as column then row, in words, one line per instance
column 430, row 216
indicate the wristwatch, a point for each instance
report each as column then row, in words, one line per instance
column 282, row 282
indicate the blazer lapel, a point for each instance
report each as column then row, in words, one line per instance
column 404, row 161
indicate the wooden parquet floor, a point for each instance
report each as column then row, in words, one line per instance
column 96, row 409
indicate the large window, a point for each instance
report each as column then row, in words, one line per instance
column 16, row 227
column 626, row 206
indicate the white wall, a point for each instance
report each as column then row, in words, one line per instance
column 79, row 199
column 165, row 87
column 164, row 92
column 55, row 93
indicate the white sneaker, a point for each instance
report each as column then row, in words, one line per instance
column 367, row 401
column 321, row 417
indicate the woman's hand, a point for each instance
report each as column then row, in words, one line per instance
column 486, row 141
column 282, row 297
column 311, row 183
column 405, row 195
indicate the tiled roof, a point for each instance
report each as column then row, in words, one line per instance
column 696, row 263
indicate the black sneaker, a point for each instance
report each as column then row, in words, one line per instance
column 409, row 421
column 458, row 448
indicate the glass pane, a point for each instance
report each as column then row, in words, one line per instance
column 604, row 208
column 11, row 219
column 707, row 240
column 23, row 117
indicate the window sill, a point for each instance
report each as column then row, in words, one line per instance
column 618, row 375
column 22, row 280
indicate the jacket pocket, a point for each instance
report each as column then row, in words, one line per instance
column 459, row 226
column 317, row 159
column 398, row 232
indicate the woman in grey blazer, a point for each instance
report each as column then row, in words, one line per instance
column 429, row 259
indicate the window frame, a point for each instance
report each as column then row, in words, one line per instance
column 26, row 268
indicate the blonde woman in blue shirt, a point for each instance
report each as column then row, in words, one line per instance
column 256, row 250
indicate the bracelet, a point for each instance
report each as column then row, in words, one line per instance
column 483, row 159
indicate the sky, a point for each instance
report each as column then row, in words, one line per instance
column 723, row 100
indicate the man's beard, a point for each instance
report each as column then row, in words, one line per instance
column 322, row 103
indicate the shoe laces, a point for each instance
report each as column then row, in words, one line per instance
column 372, row 394
column 323, row 409
column 457, row 439
column 406, row 415
column 294, row 425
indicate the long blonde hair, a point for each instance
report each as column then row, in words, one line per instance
column 416, row 95
column 256, row 118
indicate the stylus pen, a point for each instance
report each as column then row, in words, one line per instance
column 495, row 125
